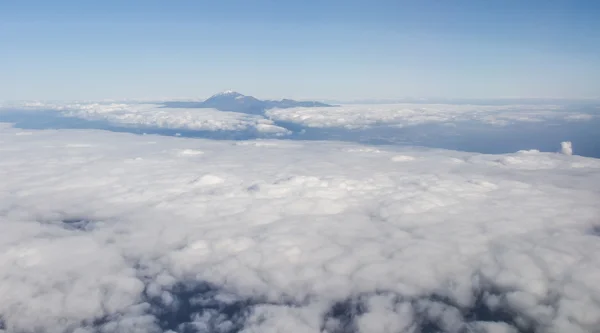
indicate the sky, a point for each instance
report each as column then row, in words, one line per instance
column 343, row 50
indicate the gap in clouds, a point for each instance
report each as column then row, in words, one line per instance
column 79, row 224
column 596, row 230
column 191, row 301
column 198, row 306
column 432, row 315
column 193, row 307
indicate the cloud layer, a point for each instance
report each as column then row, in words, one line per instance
column 347, row 116
column 109, row 232
column 154, row 116
column 361, row 116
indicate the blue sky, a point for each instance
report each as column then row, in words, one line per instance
column 299, row 49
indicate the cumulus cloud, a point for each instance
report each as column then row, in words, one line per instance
column 112, row 232
column 566, row 148
column 361, row 116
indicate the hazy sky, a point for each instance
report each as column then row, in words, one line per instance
column 299, row 49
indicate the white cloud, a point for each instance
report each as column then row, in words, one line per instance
column 150, row 115
column 345, row 116
column 360, row 116
column 114, row 232
column 566, row 148
column 154, row 116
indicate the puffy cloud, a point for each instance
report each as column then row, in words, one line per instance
column 113, row 232
column 566, row 148
column 360, row 116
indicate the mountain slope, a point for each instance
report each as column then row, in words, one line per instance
column 236, row 102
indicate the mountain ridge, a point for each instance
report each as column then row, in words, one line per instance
column 233, row 101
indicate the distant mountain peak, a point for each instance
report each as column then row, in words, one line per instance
column 230, row 93
column 230, row 100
